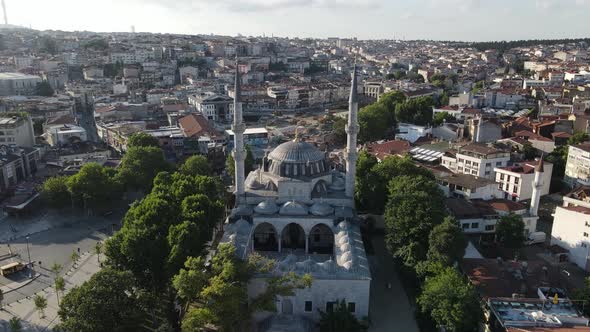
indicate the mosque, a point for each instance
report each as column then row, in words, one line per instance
column 297, row 209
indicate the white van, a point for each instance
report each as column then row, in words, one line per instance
column 536, row 237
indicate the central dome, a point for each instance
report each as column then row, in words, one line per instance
column 296, row 152
column 296, row 159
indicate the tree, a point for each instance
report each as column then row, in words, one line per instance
column 15, row 325
column 109, row 301
column 74, row 256
column 451, row 301
column 60, row 286
column 417, row 111
column 441, row 117
column 44, row 89
column 446, row 242
column 529, row 151
column 55, row 192
column 196, row 165
column 415, row 206
column 378, row 119
column 338, row 129
column 56, row 268
column 98, row 250
column 366, row 181
column 48, row 45
column 578, row 138
column 510, row 231
column 340, row 319
column 94, row 186
column 223, row 288
column 40, row 304
column 559, row 159
column 140, row 165
column 142, row 139
column 373, row 178
column 583, row 296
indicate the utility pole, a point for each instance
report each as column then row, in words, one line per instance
column 29, row 254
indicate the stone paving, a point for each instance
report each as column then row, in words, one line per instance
column 24, row 309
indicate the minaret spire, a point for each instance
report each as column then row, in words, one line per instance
column 238, row 128
column 352, row 129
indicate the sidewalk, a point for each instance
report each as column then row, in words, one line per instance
column 25, row 309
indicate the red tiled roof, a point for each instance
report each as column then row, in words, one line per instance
column 506, row 205
column 195, row 125
column 561, row 134
column 384, row 149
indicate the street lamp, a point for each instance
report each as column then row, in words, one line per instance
column 29, row 254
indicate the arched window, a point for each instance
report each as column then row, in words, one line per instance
column 293, row 237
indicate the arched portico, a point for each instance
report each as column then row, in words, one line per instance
column 265, row 238
column 293, row 237
column 321, row 240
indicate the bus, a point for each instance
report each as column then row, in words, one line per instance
column 11, row 268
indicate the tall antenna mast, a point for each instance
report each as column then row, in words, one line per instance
column 4, row 10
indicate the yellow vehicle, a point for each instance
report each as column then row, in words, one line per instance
column 11, row 268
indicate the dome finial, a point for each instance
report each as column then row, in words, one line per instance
column 297, row 139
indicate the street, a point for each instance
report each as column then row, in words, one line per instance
column 390, row 309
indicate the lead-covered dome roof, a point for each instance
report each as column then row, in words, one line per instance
column 296, row 152
column 297, row 159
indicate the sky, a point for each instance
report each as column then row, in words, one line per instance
column 467, row 20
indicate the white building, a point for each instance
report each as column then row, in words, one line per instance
column 17, row 130
column 410, row 132
column 299, row 211
column 516, row 181
column 18, row 84
column 577, row 169
column 467, row 186
column 571, row 226
column 213, row 106
column 476, row 159
column 64, row 134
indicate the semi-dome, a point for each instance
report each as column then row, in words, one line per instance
column 296, row 159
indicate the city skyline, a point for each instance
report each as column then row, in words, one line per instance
column 461, row 20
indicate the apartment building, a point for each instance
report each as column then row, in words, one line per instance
column 577, row 168
column 516, row 181
column 17, row 130
column 571, row 226
column 213, row 106
column 476, row 159
column 18, row 84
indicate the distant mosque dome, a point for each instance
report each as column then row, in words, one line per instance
column 297, row 159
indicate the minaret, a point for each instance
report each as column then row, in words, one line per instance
column 238, row 128
column 478, row 134
column 352, row 129
column 537, row 184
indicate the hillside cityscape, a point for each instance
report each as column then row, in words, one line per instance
column 202, row 182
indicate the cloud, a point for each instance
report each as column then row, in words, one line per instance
column 266, row 5
column 563, row 4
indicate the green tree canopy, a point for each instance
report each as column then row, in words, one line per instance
column 55, row 192
column 415, row 207
column 44, row 89
column 140, row 165
column 373, row 178
column 441, row 117
column 196, row 165
column 451, row 301
column 109, row 301
column 446, row 242
column 378, row 119
column 416, row 111
column 529, row 151
column 94, row 186
column 224, row 289
column 578, row 138
column 142, row 139
column 340, row 319
column 510, row 231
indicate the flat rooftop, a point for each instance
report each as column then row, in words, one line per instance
column 16, row 76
